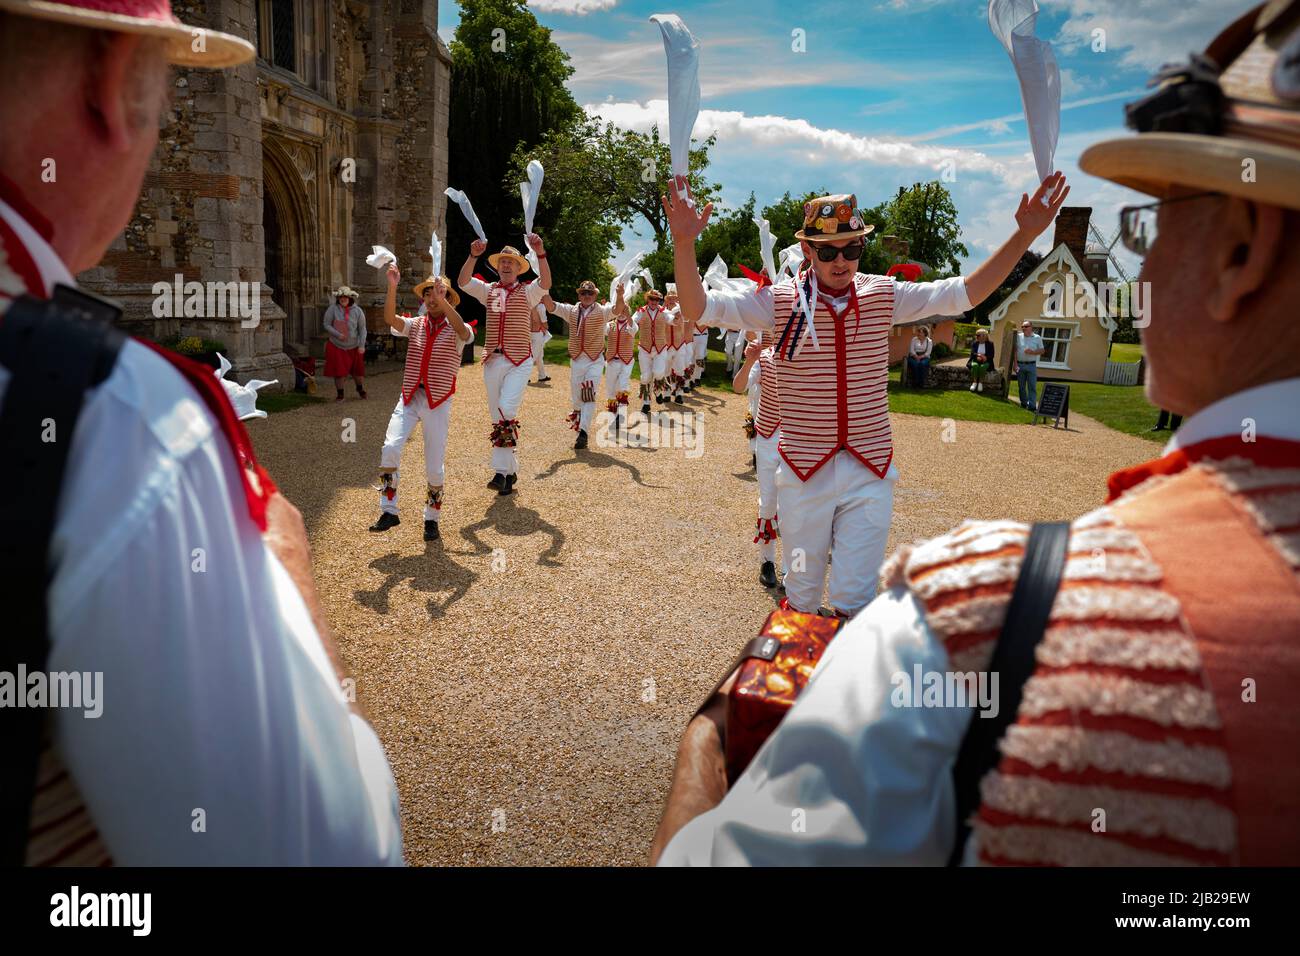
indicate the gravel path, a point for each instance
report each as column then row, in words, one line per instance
column 529, row 674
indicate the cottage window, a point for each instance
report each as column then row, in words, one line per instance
column 1056, row 344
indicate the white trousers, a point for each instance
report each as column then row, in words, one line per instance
column 618, row 377
column 701, row 353
column 654, row 368
column 505, row 384
column 683, row 361
column 585, row 371
column 842, row 509
column 539, row 343
column 733, row 344
column 768, row 458
column 400, row 426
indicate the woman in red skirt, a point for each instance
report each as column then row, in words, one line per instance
column 345, row 352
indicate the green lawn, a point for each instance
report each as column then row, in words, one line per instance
column 964, row 405
column 274, row 400
column 1122, row 407
column 1125, row 352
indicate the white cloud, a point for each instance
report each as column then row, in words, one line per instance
column 999, row 124
column 1148, row 34
column 578, row 8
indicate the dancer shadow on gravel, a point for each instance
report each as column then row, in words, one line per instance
column 506, row 517
column 596, row 459
column 432, row 572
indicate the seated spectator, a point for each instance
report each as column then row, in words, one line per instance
column 981, row 359
column 918, row 357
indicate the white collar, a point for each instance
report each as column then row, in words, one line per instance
column 53, row 271
column 1271, row 407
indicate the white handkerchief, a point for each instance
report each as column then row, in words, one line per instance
column 380, row 257
column 791, row 259
column 531, row 256
column 466, row 207
column 529, row 191
column 765, row 246
column 683, row 52
column 1013, row 22
column 435, row 253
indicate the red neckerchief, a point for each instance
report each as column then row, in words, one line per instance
column 828, row 296
column 257, row 484
column 1265, row 451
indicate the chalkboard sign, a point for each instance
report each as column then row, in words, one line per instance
column 1054, row 403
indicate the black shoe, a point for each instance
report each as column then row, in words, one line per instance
column 767, row 575
column 497, row 481
column 753, row 462
column 385, row 522
column 581, row 443
column 431, row 530
column 645, row 409
column 660, row 400
column 679, row 400
column 1158, row 428
column 508, row 487
column 540, row 380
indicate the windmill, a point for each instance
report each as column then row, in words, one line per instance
column 1109, row 246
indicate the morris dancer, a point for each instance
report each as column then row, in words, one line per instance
column 835, row 483
column 345, row 351
column 436, row 339
column 681, row 349
column 507, row 345
column 619, row 354
column 701, row 350
column 587, row 322
column 539, row 337
column 757, row 377
column 652, row 323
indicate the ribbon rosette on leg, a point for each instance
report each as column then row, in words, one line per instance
column 574, row 419
column 434, row 498
column 621, row 398
column 505, row 433
column 387, row 486
column 767, row 530
column 750, row 430
column 612, row 404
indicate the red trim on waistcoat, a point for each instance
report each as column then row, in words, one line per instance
column 21, row 261
column 13, row 197
column 1266, row 451
column 258, row 485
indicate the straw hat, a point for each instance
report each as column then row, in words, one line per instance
column 342, row 291
column 510, row 252
column 587, row 286
column 1227, row 121
column 451, row 294
column 831, row 218
column 653, row 295
column 186, row 45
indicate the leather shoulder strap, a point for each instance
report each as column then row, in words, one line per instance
column 1013, row 662
column 54, row 350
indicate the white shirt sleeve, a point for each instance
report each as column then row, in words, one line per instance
column 916, row 300
column 479, row 289
column 755, row 376
column 848, row 778
column 740, row 308
column 535, row 294
column 468, row 336
column 405, row 332
column 567, row 312
column 220, row 706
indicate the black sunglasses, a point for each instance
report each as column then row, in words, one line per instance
column 1137, row 224
column 852, row 252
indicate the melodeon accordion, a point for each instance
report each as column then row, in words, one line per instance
column 771, row 672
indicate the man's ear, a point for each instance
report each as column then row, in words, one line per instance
column 109, row 88
column 1246, row 247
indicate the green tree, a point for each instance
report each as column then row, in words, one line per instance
column 926, row 217
column 1026, row 264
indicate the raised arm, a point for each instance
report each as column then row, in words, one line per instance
column 390, row 300
column 686, row 222
column 740, row 383
column 544, row 272
column 1032, row 218
column 620, row 304
column 476, row 249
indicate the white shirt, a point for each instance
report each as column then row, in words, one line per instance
column 874, row 781
column 981, row 350
column 921, row 347
column 218, row 695
column 481, row 290
column 1034, row 341
column 754, row 308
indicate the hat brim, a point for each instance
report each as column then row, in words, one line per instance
column 524, row 264
column 216, row 49
column 1152, row 162
column 835, row 237
column 451, row 294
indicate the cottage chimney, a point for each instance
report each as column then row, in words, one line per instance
column 895, row 246
column 1072, row 229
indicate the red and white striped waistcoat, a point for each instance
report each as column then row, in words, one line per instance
column 1140, row 702
column 834, row 396
column 433, row 356
column 509, row 322
column 587, row 331
column 620, row 342
column 654, row 329
column 768, row 417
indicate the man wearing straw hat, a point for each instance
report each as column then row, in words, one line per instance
column 507, row 345
column 835, row 482
column 1179, row 600
column 224, row 687
column 587, row 322
column 681, row 349
column 652, row 340
column 436, row 339
column 620, row 336
column 345, row 351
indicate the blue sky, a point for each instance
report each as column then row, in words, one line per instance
column 885, row 93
